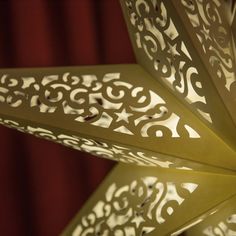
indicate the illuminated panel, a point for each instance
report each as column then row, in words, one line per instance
column 145, row 201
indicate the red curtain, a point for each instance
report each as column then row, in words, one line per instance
column 42, row 184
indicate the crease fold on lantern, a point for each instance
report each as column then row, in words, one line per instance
column 169, row 120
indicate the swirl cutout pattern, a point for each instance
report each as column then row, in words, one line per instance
column 134, row 209
column 108, row 102
column 158, row 38
column 223, row 228
column 100, row 148
column 212, row 31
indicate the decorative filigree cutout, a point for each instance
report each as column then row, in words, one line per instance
column 100, row 148
column 134, row 209
column 206, row 17
column 108, row 103
column 141, row 204
column 157, row 36
column 223, row 228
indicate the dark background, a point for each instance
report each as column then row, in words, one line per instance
column 42, row 184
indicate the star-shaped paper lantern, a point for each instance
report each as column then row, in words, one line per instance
column 170, row 120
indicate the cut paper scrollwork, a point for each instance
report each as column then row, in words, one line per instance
column 108, row 102
column 100, row 148
column 157, row 36
column 226, row 227
column 134, row 209
column 209, row 24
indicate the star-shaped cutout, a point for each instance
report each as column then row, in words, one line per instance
column 117, row 184
column 205, row 32
column 173, row 49
column 138, row 219
column 123, row 116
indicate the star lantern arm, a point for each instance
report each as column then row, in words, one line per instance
column 170, row 118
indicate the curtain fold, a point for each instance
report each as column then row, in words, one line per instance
column 42, row 184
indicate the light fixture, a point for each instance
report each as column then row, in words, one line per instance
column 170, row 120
